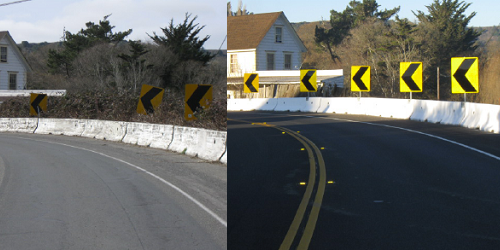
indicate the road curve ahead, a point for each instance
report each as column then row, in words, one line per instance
column 76, row 193
column 330, row 181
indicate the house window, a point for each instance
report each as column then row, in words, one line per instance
column 234, row 63
column 12, row 80
column 3, row 54
column 279, row 34
column 288, row 61
column 270, row 61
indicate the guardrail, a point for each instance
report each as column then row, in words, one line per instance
column 485, row 117
column 202, row 143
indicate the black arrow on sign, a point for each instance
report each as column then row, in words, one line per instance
column 249, row 83
column 36, row 103
column 194, row 101
column 408, row 74
column 306, row 82
column 146, row 99
column 461, row 78
column 357, row 78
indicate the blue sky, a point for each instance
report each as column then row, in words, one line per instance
column 44, row 20
column 297, row 11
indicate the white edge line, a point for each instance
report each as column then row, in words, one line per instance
column 199, row 204
column 422, row 133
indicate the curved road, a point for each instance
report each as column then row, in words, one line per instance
column 330, row 181
column 76, row 193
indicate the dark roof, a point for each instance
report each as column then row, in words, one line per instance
column 246, row 32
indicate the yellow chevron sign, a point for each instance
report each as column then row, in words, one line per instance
column 197, row 97
column 360, row 78
column 38, row 102
column 465, row 75
column 308, row 80
column 251, row 83
column 410, row 76
column 150, row 99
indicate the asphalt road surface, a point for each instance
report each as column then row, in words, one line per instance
column 75, row 193
column 330, row 181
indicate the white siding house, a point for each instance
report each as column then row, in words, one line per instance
column 13, row 66
column 262, row 42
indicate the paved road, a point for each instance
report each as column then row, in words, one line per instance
column 385, row 184
column 77, row 193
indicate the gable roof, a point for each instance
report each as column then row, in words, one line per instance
column 246, row 32
column 6, row 34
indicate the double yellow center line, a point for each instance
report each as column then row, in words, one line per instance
column 313, row 154
column 311, row 149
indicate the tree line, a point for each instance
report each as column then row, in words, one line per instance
column 98, row 58
column 363, row 34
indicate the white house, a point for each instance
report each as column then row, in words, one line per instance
column 262, row 42
column 13, row 66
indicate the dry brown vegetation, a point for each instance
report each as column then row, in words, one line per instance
column 120, row 107
column 102, row 89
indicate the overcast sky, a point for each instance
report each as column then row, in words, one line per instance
column 44, row 20
column 315, row 10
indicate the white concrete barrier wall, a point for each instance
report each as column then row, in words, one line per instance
column 22, row 125
column 92, row 128
column 341, row 105
column 112, row 130
column 484, row 117
column 70, row 127
column 290, row 104
column 202, row 143
column 252, row 104
column 438, row 112
column 164, row 135
column 269, row 104
column 149, row 135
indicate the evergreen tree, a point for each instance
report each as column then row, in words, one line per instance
column 183, row 40
column 74, row 44
column 445, row 34
column 445, row 30
column 341, row 23
column 187, row 48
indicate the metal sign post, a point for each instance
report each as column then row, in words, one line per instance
column 438, row 83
